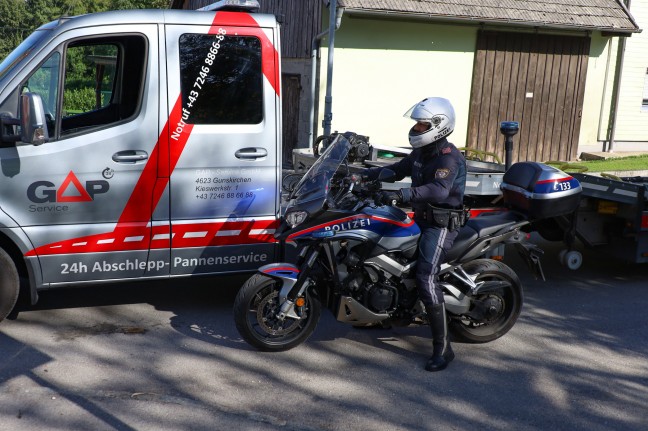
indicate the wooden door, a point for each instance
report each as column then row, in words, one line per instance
column 291, row 88
column 535, row 79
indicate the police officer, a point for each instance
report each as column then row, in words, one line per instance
column 438, row 173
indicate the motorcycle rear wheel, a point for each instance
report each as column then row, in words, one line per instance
column 505, row 307
column 255, row 309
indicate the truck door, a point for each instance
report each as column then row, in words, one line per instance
column 223, row 136
column 74, row 195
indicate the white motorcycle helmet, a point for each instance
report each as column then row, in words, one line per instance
column 438, row 113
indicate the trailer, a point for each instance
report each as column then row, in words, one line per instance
column 483, row 177
column 612, row 217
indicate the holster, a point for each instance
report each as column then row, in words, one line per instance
column 452, row 219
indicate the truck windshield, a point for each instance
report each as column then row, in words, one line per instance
column 22, row 51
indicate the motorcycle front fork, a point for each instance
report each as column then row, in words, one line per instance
column 291, row 292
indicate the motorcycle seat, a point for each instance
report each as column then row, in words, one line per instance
column 466, row 237
column 489, row 223
column 482, row 225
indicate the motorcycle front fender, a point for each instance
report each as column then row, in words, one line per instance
column 280, row 270
column 286, row 273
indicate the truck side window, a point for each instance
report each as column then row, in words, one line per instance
column 44, row 81
column 103, row 82
column 89, row 79
column 221, row 79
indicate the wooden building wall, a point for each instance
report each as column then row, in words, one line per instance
column 535, row 79
column 301, row 20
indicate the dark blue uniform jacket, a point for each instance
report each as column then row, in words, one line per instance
column 438, row 173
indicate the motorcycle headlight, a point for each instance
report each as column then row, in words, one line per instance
column 296, row 218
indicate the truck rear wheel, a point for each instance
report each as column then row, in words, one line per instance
column 9, row 284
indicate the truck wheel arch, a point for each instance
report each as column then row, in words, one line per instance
column 9, row 284
column 14, row 277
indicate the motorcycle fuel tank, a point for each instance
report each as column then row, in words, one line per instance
column 397, row 230
column 389, row 227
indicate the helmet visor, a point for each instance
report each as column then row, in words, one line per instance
column 419, row 113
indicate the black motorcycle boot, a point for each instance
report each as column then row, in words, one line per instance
column 442, row 352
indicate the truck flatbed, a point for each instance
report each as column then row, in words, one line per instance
column 483, row 178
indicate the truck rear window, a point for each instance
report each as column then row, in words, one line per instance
column 221, row 79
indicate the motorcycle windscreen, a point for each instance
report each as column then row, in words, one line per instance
column 314, row 185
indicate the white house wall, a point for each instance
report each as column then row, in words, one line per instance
column 382, row 68
column 632, row 121
column 600, row 64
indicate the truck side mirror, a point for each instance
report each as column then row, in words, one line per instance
column 32, row 119
column 7, row 127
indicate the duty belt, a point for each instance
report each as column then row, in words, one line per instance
column 452, row 219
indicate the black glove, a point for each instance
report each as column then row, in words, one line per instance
column 390, row 197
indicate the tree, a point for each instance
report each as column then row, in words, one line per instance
column 13, row 26
column 18, row 18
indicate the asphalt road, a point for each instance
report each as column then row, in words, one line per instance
column 168, row 357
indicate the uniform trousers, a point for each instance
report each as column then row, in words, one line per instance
column 433, row 246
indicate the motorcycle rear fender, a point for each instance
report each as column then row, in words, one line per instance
column 531, row 255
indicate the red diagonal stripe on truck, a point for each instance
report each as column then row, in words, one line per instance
column 133, row 222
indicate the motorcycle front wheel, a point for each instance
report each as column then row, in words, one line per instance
column 255, row 313
column 500, row 310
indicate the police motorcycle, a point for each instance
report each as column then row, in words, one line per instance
column 357, row 258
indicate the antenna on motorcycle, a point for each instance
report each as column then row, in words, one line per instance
column 509, row 129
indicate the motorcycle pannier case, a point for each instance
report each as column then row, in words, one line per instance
column 540, row 191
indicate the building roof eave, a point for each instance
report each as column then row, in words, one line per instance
column 467, row 20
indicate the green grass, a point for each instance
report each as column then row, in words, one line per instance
column 634, row 163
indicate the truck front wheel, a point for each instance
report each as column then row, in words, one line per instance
column 9, row 284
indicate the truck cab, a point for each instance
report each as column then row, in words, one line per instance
column 139, row 145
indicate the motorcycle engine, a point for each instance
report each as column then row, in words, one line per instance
column 380, row 298
column 366, row 285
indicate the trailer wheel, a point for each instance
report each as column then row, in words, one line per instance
column 9, row 284
column 571, row 259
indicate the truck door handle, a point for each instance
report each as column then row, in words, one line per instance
column 251, row 153
column 130, row 156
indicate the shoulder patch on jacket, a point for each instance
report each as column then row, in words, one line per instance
column 446, row 150
column 442, row 173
